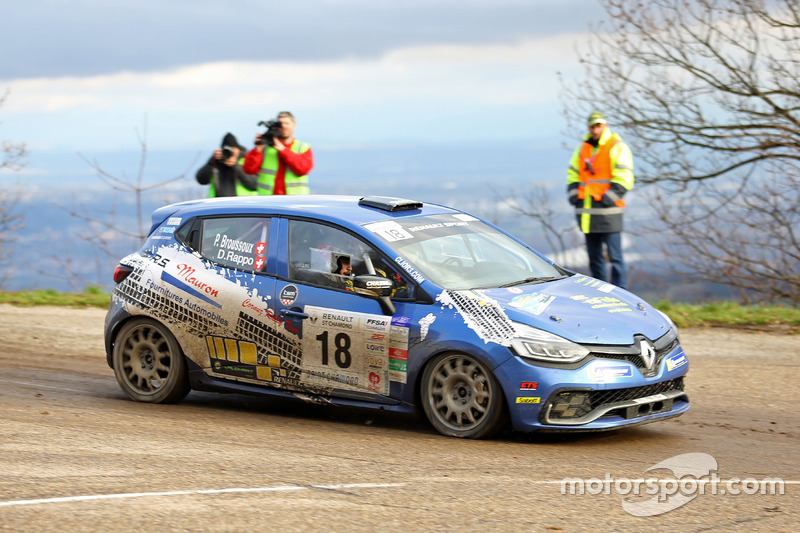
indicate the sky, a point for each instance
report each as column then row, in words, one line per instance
column 91, row 76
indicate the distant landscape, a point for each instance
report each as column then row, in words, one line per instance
column 472, row 179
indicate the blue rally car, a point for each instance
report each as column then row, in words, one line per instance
column 384, row 303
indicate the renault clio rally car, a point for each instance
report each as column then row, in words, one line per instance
column 384, row 303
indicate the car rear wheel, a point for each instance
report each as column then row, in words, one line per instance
column 149, row 364
column 461, row 398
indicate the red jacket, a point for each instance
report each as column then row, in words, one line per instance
column 300, row 164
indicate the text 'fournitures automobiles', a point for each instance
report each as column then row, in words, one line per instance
column 384, row 303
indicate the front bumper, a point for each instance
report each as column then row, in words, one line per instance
column 571, row 407
column 600, row 395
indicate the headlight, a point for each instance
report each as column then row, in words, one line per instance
column 532, row 343
column 668, row 319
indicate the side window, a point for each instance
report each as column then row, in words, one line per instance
column 326, row 256
column 236, row 242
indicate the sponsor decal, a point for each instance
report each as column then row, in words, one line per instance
column 435, row 225
column 248, row 304
column 287, row 322
column 337, row 321
column 289, row 295
column 240, row 358
column 613, row 305
column 401, row 321
column 163, row 291
column 376, row 348
column 534, row 303
column 188, row 274
column 611, row 371
column 389, row 231
column 157, row 258
column 528, row 399
column 514, row 290
column 186, row 281
column 376, row 324
column 166, row 229
column 529, row 385
column 601, row 286
column 398, row 354
column 173, row 221
column 354, row 351
column 405, row 265
column 375, row 361
column 676, row 361
column 374, row 381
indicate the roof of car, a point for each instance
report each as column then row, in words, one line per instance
column 356, row 210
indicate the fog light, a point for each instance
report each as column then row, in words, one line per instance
column 571, row 405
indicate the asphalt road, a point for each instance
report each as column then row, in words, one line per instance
column 77, row 455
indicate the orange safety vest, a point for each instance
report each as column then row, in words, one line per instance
column 595, row 171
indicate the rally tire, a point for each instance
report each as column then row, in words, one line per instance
column 462, row 398
column 149, row 363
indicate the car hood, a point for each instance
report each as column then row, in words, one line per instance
column 581, row 309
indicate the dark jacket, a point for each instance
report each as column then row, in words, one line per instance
column 224, row 178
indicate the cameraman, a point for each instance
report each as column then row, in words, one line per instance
column 281, row 161
column 224, row 171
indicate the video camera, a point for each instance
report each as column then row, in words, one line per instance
column 273, row 130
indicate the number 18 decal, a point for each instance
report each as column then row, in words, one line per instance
column 346, row 350
column 342, row 349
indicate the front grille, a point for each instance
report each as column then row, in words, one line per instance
column 599, row 398
column 582, row 406
column 636, row 359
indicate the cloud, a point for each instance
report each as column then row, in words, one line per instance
column 92, row 37
column 511, row 74
column 354, row 72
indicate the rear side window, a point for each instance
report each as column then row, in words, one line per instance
column 236, row 242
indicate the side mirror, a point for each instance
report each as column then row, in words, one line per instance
column 376, row 287
column 373, row 285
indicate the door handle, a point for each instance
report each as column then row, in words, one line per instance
column 295, row 314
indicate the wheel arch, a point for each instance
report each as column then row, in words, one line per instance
column 484, row 357
column 173, row 386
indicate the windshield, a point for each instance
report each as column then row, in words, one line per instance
column 462, row 252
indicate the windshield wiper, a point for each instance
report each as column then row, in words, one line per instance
column 534, row 279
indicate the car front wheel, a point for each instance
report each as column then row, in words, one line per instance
column 461, row 398
column 149, row 363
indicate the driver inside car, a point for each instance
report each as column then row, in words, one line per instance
column 344, row 272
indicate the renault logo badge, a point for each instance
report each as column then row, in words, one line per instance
column 648, row 354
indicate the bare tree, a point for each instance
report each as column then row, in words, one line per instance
column 554, row 221
column 707, row 94
column 114, row 231
column 11, row 220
